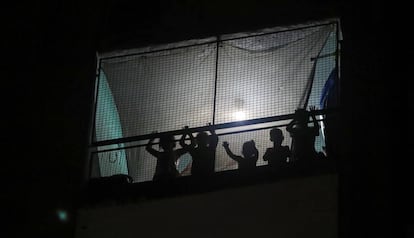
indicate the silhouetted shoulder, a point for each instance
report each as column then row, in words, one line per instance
column 213, row 141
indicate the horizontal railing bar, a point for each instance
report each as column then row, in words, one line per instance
column 218, row 134
column 257, row 129
column 205, row 128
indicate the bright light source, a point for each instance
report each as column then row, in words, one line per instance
column 239, row 116
column 62, row 215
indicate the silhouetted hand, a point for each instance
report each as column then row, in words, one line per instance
column 153, row 136
column 225, row 144
column 312, row 114
column 211, row 128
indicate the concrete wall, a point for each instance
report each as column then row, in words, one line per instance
column 297, row 207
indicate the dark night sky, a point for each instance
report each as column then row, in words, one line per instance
column 52, row 54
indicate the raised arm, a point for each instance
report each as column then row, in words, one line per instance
column 229, row 153
column 289, row 127
column 213, row 140
column 182, row 140
column 211, row 128
column 192, row 140
column 315, row 123
column 185, row 147
column 149, row 148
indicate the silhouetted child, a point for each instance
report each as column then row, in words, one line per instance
column 166, row 159
column 278, row 155
column 303, row 136
column 250, row 155
column 203, row 152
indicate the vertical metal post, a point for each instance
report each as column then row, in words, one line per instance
column 337, row 63
column 95, row 102
column 215, row 80
column 92, row 121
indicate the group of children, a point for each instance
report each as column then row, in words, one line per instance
column 202, row 149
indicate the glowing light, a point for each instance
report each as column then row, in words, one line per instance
column 239, row 116
column 62, row 215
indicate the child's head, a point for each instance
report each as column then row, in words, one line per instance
column 249, row 149
column 276, row 136
column 202, row 139
column 167, row 142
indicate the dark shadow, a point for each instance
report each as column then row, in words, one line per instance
column 165, row 169
column 277, row 156
column 303, row 136
column 203, row 152
column 247, row 162
column 112, row 187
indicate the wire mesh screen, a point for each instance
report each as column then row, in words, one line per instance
column 109, row 163
column 162, row 91
column 267, row 75
column 324, row 66
column 232, row 78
